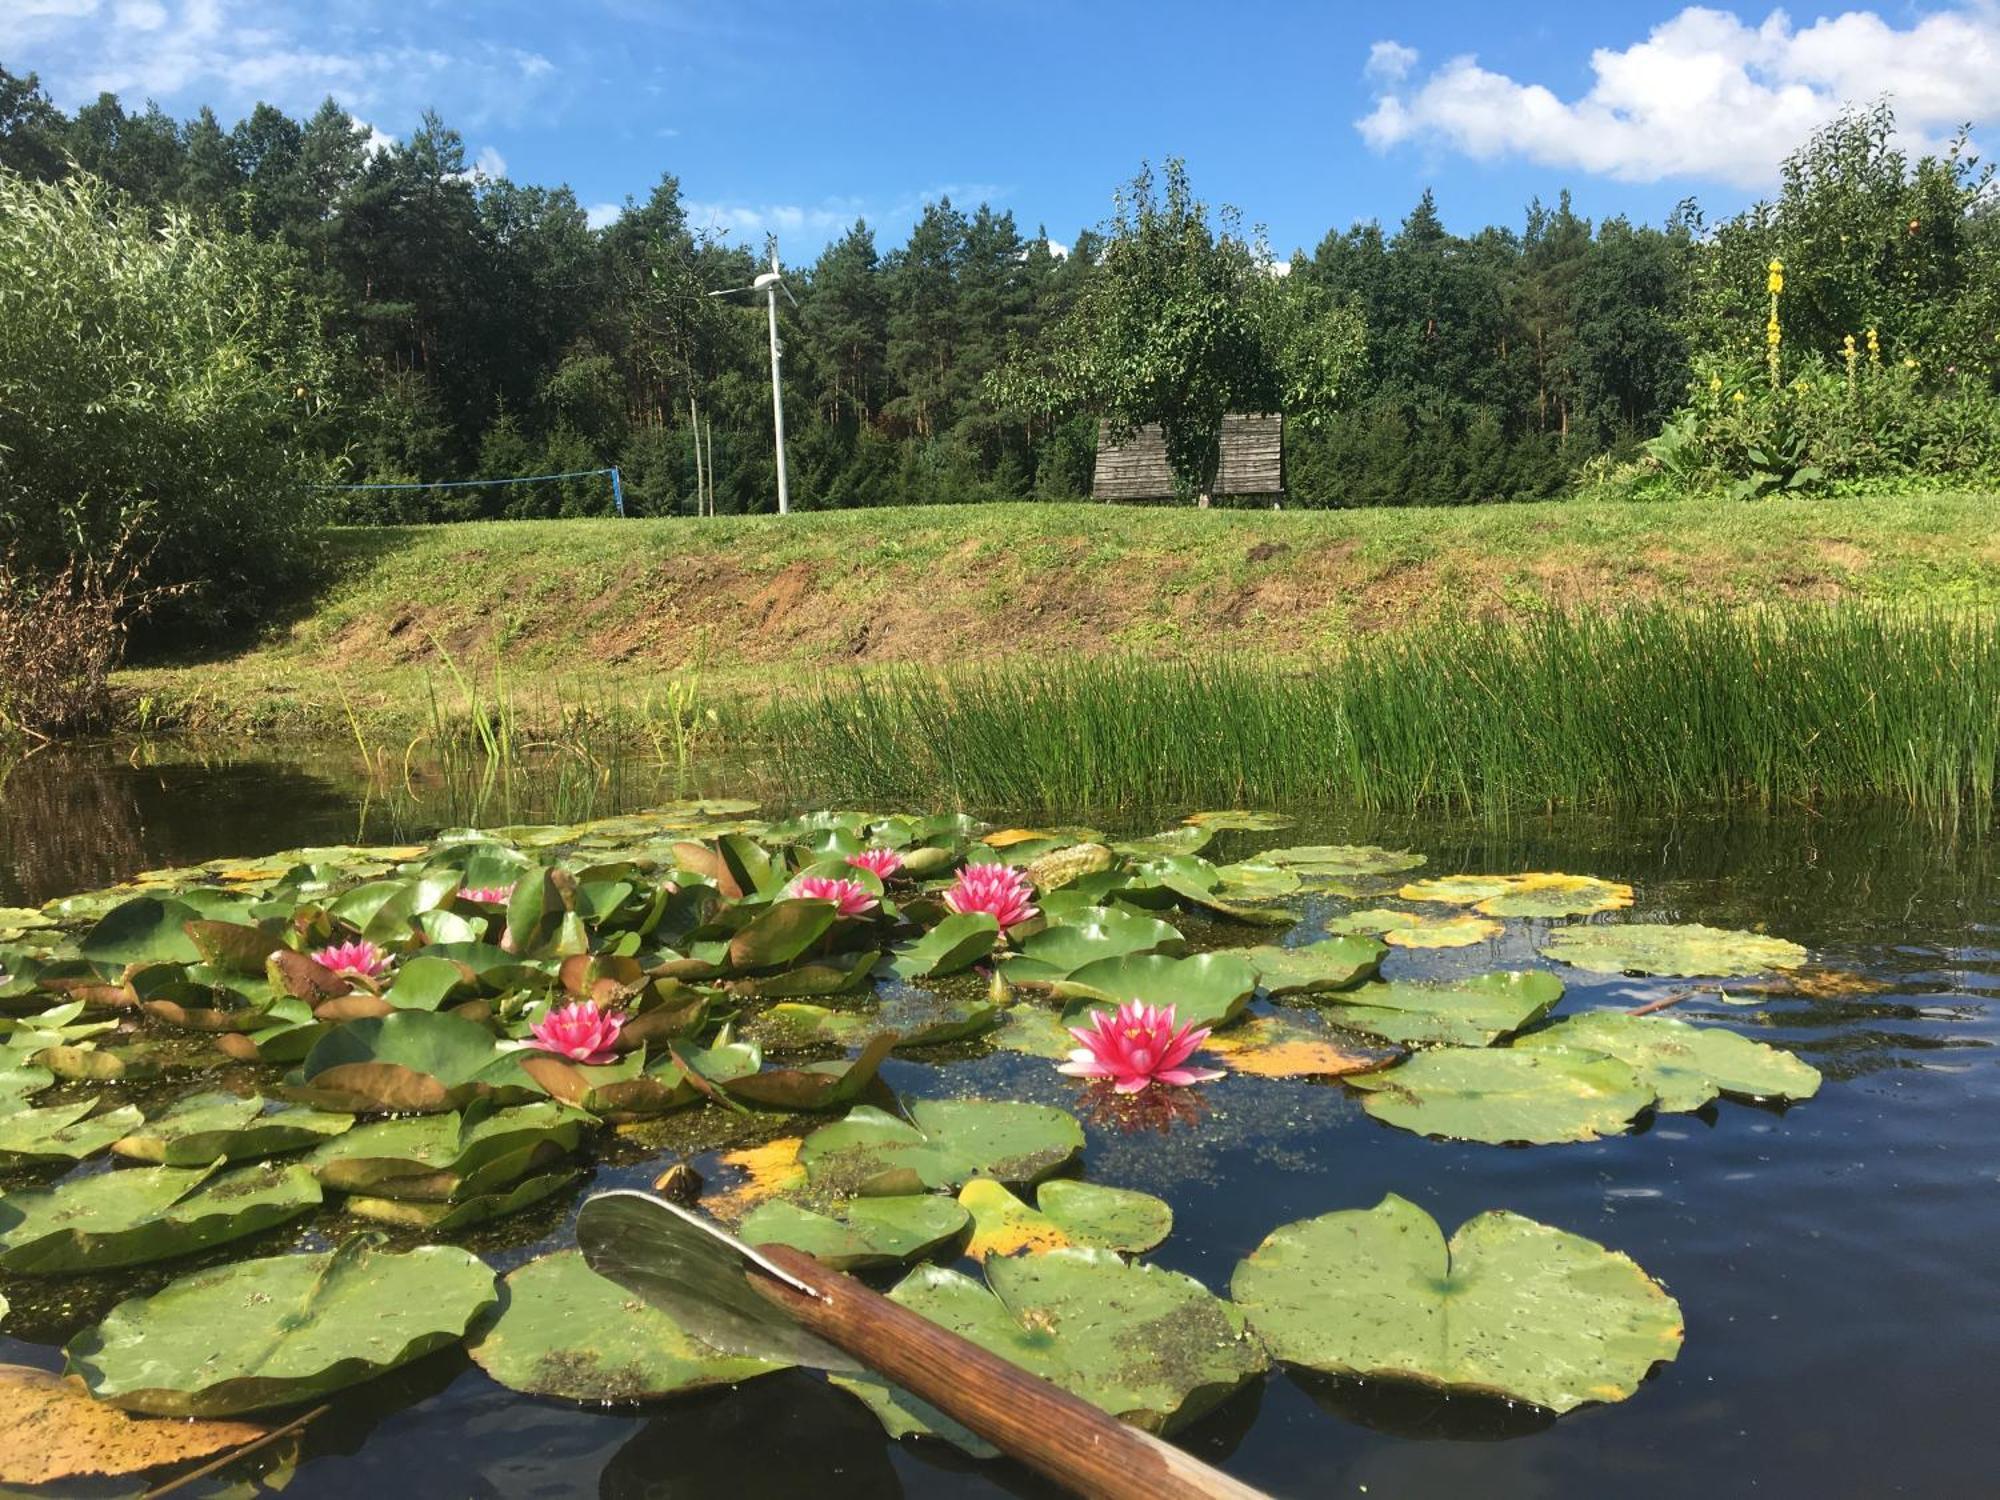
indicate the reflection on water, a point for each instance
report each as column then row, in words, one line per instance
column 1834, row 1260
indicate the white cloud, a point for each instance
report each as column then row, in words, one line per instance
column 489, row 163
column 233, row 53
column 601, row 215
column 1390, row 62
column 376, row 141
column 1705, row 95
column 751, row 222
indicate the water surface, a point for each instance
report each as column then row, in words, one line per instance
column 1834, row 1260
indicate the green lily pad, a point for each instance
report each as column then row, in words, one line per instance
column 463, row 1212
column 1535, row 895
column 444, row 1158
column 1150, row 1346
column 1344, row 859
column 1314, row 968
column 413, row 1061
column 958, row 942
column 1034, row 1031
column 62, row 1132
column 1241, row 819
column 1678, row 949
column 860, row 1232
column 1206, row 990
column 144, row 930
column 21, row 1080
column 202, row 1128
column 1083, row 937
column 1066, row 1213
column 1504, row 1097
column 780, row 933
column 1510, row 1308
column 280, row 1331
column 1254, row 880
column 918, row 1018
column 1460, row 1013
column 1685, row 1065
column 562, row 1330
column 142, row 1214
column 944, row 1144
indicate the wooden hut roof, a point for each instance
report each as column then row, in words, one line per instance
column 1253, row 461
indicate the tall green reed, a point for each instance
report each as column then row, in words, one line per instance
column 1657, row 708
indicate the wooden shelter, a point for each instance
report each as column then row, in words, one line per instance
column 1252, row 466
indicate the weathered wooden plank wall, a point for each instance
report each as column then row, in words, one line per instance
column 1253, row 462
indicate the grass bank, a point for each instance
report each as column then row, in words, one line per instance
column 569, row 617
column 1653, row 707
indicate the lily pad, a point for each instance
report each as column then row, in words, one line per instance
column 56, row 1431
column 142, row 1214
column 1206, row 990
column 62, row 1132
column 1507, row 1097
column 1241, row 819
column 464, row 1211
column 1314, row 968
column 1150, row 1346
column 1086, row 935
column 918, row 1018
column 1534, row 895
column 562, row 1330
column 1461, row 1013
column 144, row 930
column 958, row 942
column 944, row 1144
column 282, row 1330
column 861, row 1232
column 1066, row 1213
column 1344, row 859
column 1281, row 1047
column 202, row 1128
column 1685, row 1065
column 1510, row 1308
column 412, row 1061
column 1408, row 929
column 443, row 1158
column 1687, row 949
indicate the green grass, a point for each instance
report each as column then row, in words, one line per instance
column 605, row 612
column 1654, row 707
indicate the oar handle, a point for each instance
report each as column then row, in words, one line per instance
column 1045, row 1427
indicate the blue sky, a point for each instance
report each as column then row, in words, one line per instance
column 801, row 116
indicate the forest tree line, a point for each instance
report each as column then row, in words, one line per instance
column 481, row 327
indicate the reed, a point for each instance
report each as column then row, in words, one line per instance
column 1654, row 707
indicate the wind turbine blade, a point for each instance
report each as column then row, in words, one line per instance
column 732, row 291
column 785, row 287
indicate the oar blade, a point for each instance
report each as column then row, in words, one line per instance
column 693, row 1270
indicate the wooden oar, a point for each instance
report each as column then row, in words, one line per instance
column 780, row 1303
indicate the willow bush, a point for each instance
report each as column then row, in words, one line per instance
column 160, row 383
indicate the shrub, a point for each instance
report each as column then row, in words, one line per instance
column 60, row 635
column 161, row 387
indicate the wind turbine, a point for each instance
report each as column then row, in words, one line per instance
column 770, row 283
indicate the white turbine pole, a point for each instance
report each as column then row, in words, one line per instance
column 777, row 382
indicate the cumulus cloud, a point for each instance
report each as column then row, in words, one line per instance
column 751, row 222
column 602, row 215
column 1705, row 95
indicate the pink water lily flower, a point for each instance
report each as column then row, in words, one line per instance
column 487, row 895
column 881, row 863
column 581, row 1032
column 1137, row 1045
column 1000, row 891
column 359, row 959
column 851, row 897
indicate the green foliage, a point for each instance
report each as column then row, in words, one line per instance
column 163, row 391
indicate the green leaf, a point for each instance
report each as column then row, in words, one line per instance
column 1661, row 948
column 202, row 1128
column 440, row 1158
column 1505, row 1097
column 1343, row 859
column 280, row 1331
column 1314, row 968
column 142, row 1214
column 945, row 1143
column 1084, row 936
column 62, row 1132
column 562, row 1330
column 958, row 942
column 412, row 1061
column 1152, row 1347
column 1686, row 1066
column 1510, row 1308
column 1461, row 1013
column 144, row 930
column 463, row 1212
column 1066, row 1213
column 780, row 933
column 1206, row 990
column 861, row 1232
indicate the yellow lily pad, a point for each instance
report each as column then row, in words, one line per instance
column 1531, row 895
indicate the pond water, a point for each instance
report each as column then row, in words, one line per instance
column 1834, row 1260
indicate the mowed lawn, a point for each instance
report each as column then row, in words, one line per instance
column 574, row 610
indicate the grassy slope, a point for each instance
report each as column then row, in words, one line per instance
column 569, row 606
